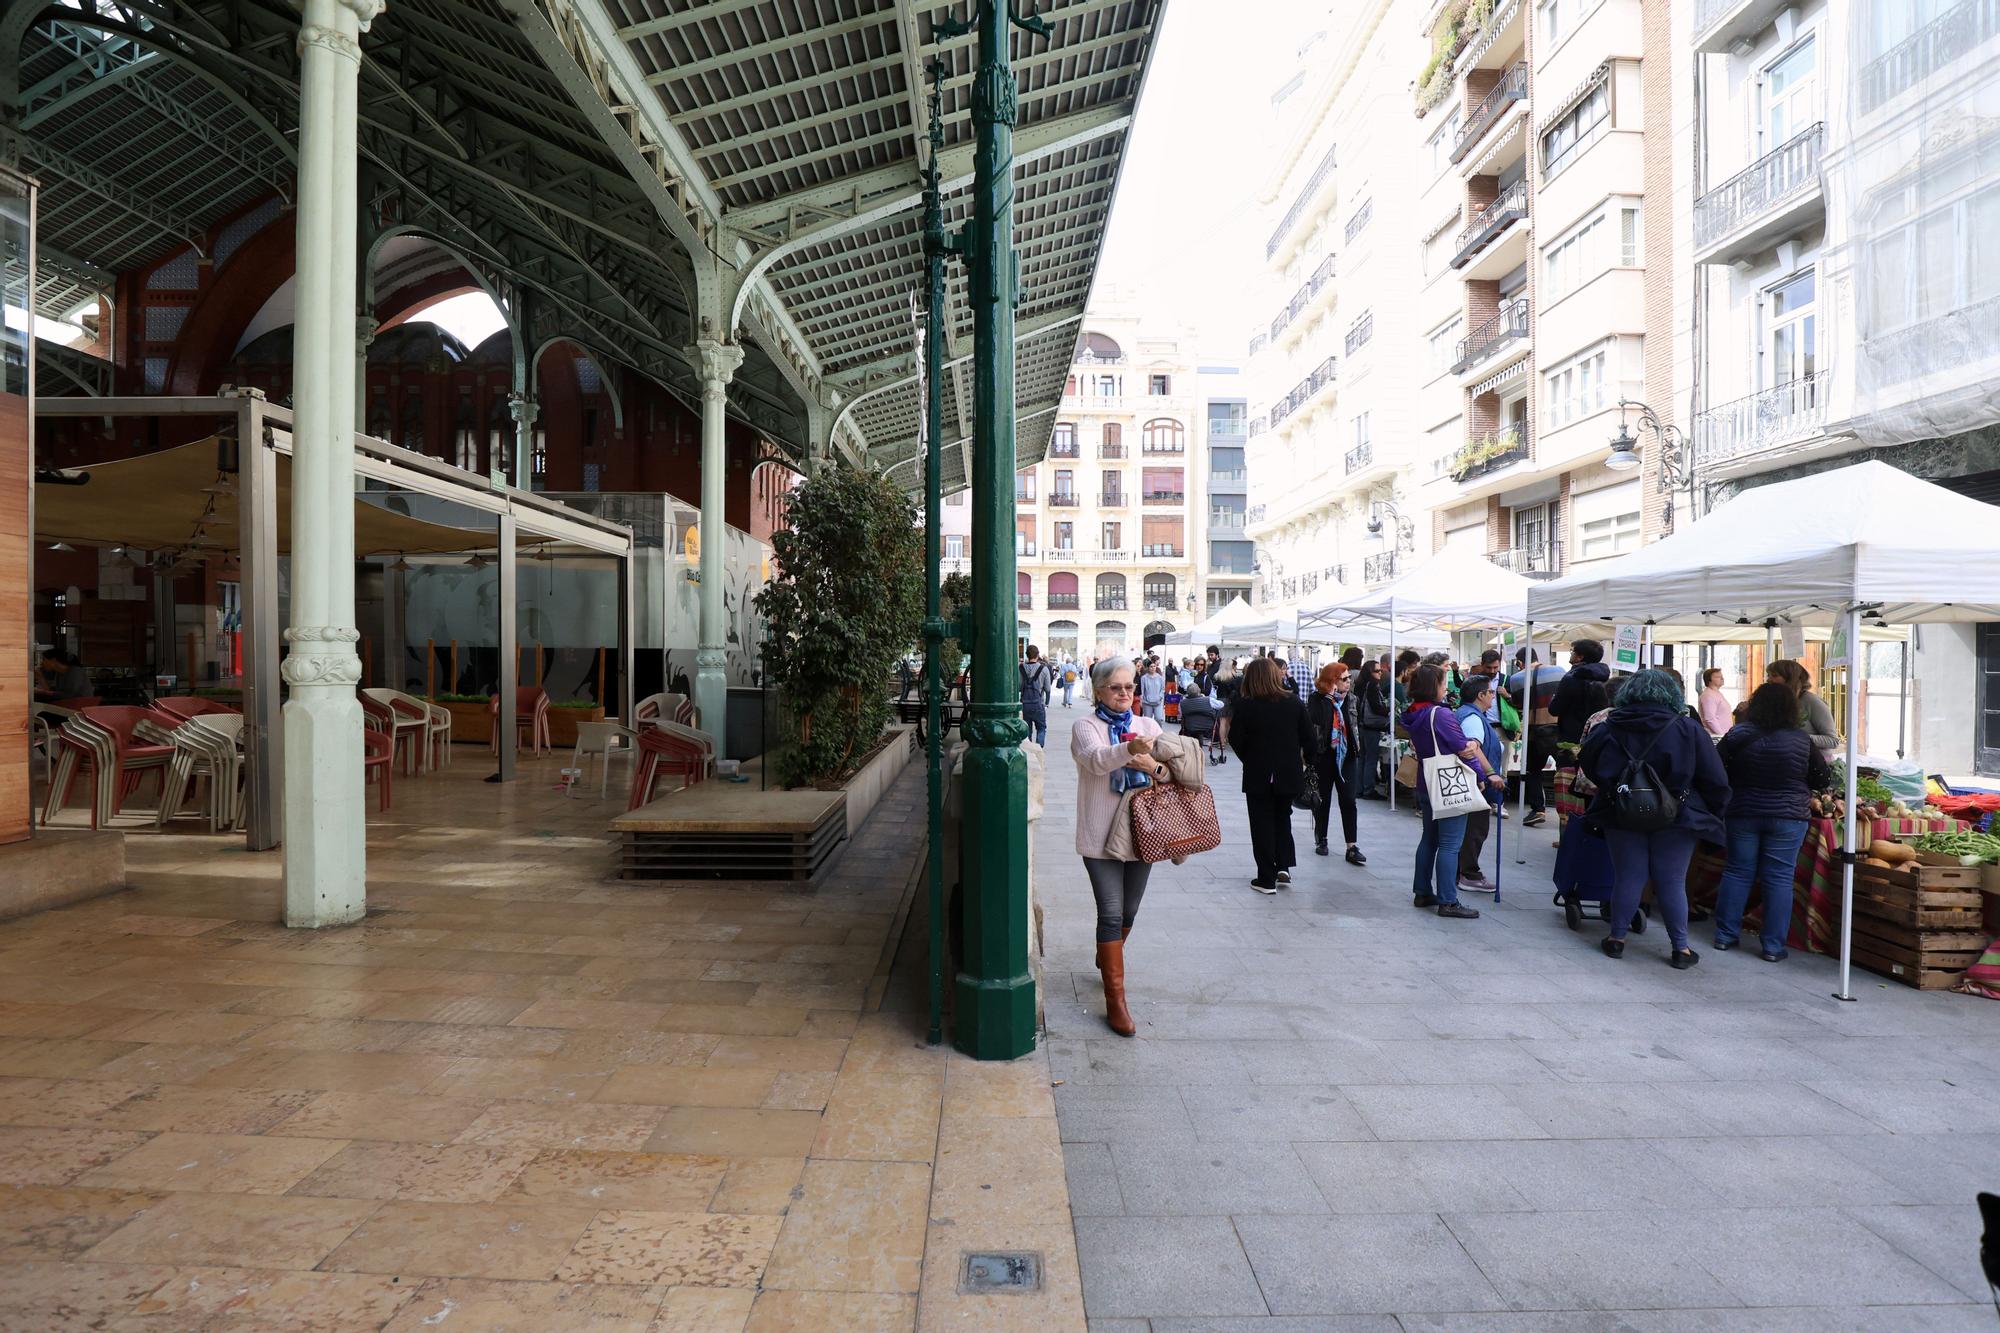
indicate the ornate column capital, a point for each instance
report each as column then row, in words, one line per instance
column 711, row 657
column 716, row 362
column 330, row 40
column 322, row 655
column 365, row 11
column 525, row 410
column 364, row 333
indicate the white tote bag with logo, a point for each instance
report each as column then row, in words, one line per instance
column 1449, row 782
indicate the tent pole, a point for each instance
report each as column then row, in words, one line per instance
column 1903, row 694
column 1526, row 705
column 1392, row 706
column 1847, row 840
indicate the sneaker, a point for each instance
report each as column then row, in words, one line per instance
column 1458, row 911
column 1535, row 819
column 1319, row 848
column 1284, row 877
column 1355, row 858
column 1477, row 885
column 1266, row 889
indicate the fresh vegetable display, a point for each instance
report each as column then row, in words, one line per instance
column 1970, row 848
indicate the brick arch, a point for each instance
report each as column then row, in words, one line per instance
column 207, row 340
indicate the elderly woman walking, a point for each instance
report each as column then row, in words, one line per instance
column 1649, row 753
column 1113, row 749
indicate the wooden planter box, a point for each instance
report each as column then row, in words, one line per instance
column 469, row 723
column 562, row 723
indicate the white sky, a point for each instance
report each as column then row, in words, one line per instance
column 1186, row 238
column 470, row 317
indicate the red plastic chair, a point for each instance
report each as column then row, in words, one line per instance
column 406, row 734
column 531, row 718
column 663, row 754
column 378, row 753
column 185, row 706
column 111, row 748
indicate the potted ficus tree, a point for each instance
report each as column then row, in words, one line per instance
column 845, row 598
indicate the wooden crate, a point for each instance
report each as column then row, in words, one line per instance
column 1924, row 958
column 1902, row 897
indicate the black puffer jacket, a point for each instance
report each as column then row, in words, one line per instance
column 1772, row 774
column 1580, row 694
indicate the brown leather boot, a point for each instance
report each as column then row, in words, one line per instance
column 1111, row 962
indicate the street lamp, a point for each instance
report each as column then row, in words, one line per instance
column 1676, row 458
column 1406, row 531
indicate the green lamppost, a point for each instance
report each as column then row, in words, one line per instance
column 995, row 992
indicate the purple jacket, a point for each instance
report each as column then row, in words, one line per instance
column 1450, row 736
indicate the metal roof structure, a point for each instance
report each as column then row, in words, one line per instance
column 606, row 160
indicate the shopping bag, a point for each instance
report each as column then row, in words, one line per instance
column 1170, row 821
column 1451, row 784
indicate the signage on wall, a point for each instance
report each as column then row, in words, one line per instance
column 1625, row 647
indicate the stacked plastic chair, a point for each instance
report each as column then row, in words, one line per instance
column 667, row 749
column 603, row 739
column 106, row 741
column 420, row 721
column 408, row 734
column 663, row 707
column 207, row 748
column 378, row 753
column 531, row 718
column 185, row 706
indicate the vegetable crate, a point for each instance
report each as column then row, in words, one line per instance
column 1918, row 924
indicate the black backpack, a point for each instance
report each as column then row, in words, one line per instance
column 1639, row 801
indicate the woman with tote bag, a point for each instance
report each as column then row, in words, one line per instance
column 1451, row 783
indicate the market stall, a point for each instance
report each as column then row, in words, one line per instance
column 1229, row 627
column 1867, row 544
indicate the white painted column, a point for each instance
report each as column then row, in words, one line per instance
column 716, row 362
column 325, row 834
column 526, row 412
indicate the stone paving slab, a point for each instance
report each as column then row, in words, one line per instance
column 1343, row 1114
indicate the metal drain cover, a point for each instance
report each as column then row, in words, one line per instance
column 1001, row 1272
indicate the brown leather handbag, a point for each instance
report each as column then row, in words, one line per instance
column 1171, row 822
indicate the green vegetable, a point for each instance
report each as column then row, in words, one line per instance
column 1970, row 848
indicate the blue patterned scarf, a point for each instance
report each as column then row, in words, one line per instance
column 1119, row 725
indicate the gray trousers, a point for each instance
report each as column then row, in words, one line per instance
column 1118, row 887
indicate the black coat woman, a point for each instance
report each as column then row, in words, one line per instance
column 1269, row 732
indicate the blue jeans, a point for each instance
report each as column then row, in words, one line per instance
column 1660, row 857
column 1038, row 724
column 1437, row 855
column 1067, row 686
column 1763, row 851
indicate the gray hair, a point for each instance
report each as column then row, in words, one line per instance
column 1653, row 686
column 1436, row 659
column 1101, row 673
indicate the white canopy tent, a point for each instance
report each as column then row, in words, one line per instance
column 1288, row 625
column 1227, row 626
column 1863, row 541
column 1448, row 593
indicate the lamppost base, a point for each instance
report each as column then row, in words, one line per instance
column 993, row 1018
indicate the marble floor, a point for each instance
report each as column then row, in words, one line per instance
column 519, row 1095
column 1343, row 1114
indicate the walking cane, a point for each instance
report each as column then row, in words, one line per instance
column 1499, row 850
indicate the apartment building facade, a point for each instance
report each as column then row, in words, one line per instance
column 1331, row 440
column 1228, row 557
column 1546, row 297
column 1106, row 526
column 1846, row 226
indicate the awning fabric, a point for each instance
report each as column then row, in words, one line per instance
column 1803, row 551
column 1230, row 625
column 179, row 500
column 1451, row 591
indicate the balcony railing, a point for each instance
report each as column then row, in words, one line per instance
column 1063, row 499
column 1709, row 12
column 1258, row 425
column 1060, row 449
column 1512, row 88
column 1159, row 550
column 1024, row 601
column 1256, row 513
column 1111, row 603
column 1360, row 332
column 1024, row 548
column 1229, row 520
column 1062, row 601
column 1779, row 176
column 1228, row 476
column 1298, row 208
column 955, row 564
column 1490, row 221
column 1110, row 451
column 1502, row 448
column 1160, row 602
column 1100, row 359
column 1111, row 500
column 1164, row 447
column 1379, row 566
column 1956, row 337
column 1533, row 562
column 1929, row 49
column 1109, row 556
column 1779, row 415
column 1258, row 343
column 1508, row 324
column 1303, row 297
column 1165, row 497
column 1360, row 456
column 1022, row 497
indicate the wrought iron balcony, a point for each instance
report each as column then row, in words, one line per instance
column 1298, row 208
column 1063, row 499
column 1360, row 456
column 1533, row 562
column 1165, row 497
column 1504, row 447
column 1757, row 192
column 1377, row 567
column 1112, row 500
column 1490, row 221
column 1508, row 324
column 1360, row 332
column 1161, row 602
column 1024, row 601
column 1969, row 333
column 1168, row 447
column 1256, row 514
column 1258, row 343
column 1929, row 49
column 1105, row 603
column 1512, row 88
column 1782, row 414
column 1161, row 550
column 1259, row 425
column 1058, row 449
column 1062, row 601
column 1110, row 451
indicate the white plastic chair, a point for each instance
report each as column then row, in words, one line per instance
column 411, row 720
column 667, row 707
column 603, row 739
column 206, row 747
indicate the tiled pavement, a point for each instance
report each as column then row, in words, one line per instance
column 1340, row 1113
column 518, row 1096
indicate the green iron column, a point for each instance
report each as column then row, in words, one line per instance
column 937, row 245
column 995, row 993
